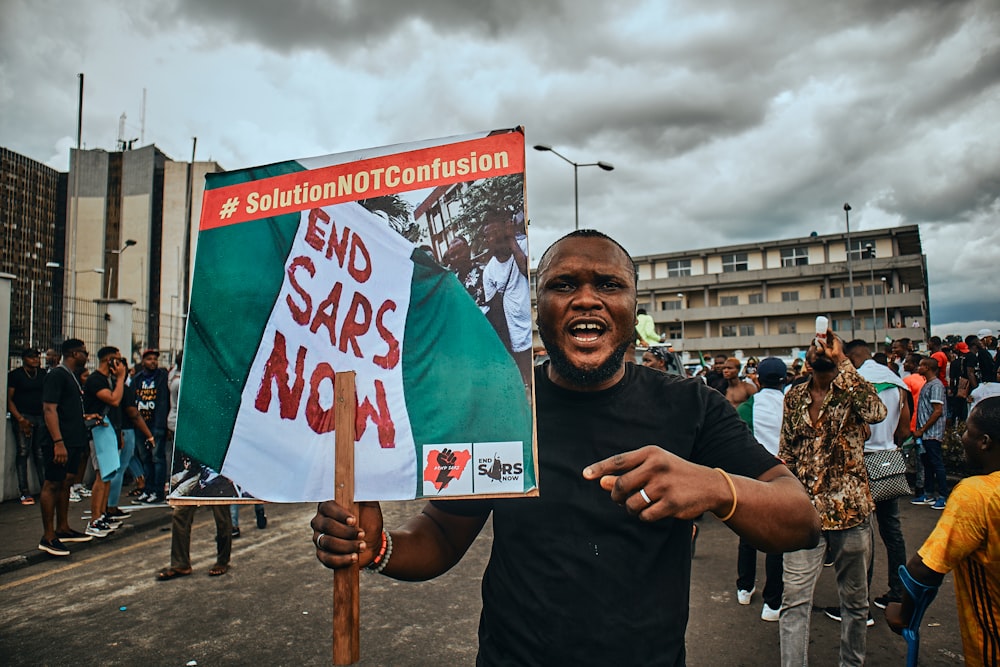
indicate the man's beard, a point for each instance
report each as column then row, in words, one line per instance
column 823, row 364
column 579, row 376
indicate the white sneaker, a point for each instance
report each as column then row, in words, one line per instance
column 768, row 614
column 743, row 597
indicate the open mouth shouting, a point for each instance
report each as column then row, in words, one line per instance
column 587, row 331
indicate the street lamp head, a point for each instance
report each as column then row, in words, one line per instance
column 606, row 166
column 129, row 243
column 847, row 207
column 542, row 147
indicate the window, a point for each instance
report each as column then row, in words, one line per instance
column 670, row 305
column 747, row 330
column 729, row 300
column 837, row 292
column 786, row 328
column 841, row 325
column 794, row 256
column 790, row 296
column 678, row 267
column 871, row 290
column 859, row 251
column 757, row 297
column 734, row 262
column 728, row 330
column 674, row 332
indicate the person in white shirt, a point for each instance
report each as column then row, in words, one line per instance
column 885, row 435
column 506, row 274
column 763, row 412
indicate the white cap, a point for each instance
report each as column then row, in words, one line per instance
column 983, row 333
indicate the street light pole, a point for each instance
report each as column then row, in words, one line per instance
column 885, row 306
column 680, row 295
column 606, row 166
column 111, row 267
column 871, row 271
column 850, row 269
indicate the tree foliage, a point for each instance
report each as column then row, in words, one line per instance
column 502, row 195
column 397, row 212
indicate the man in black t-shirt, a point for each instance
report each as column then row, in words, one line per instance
column 596, row 569
column 103, row 394
column 64, row 443
column 24, row 403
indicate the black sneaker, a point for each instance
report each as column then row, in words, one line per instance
column 53, row 547
column 883, row 601
column 834, row 613
column 73, row 536
column 116, row 513
column 236, row 532
column 261, row 519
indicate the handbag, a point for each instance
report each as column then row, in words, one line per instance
column 887, row 474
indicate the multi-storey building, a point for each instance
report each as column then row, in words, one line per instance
column 132, row 219
column 32, row 217
column 763, row 298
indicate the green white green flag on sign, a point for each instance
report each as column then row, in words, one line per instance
column 295, row 281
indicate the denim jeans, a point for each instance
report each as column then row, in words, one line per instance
column 935, row 478
column 124, row 458
column 746, row 573
column 156, row 463
column 889, row 529
column 29, row 447
column 851, row 549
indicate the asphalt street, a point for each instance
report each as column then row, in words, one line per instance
column 103, row 605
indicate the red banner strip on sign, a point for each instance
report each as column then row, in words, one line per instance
column 490, row 156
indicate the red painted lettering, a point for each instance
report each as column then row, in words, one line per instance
column 353, row 327
column 300, row 315
column 359, row 274
column 391, row 358
column 314, row 235
column 381, row 418
column 321, row 420
column 326, row 313
column 338, row 247
column 276, row 371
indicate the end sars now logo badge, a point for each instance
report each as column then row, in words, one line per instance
column 498, row 467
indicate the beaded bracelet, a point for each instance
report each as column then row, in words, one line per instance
column 384, row 560
column 381, row 559
column 732, row 487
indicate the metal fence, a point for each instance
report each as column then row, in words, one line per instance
column 88, row 321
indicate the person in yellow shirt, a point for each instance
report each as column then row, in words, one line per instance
column 966, row 541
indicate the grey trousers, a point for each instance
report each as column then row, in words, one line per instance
column 851, row 549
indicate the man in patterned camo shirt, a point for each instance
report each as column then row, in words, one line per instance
column 822, row 442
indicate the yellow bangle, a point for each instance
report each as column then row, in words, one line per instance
column 732, row 487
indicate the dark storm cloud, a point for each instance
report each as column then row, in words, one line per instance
column 337, row 26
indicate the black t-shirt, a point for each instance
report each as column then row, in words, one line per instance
column 27, row 390
column 128, row 401
column 981, row 364
column 62, row 388
column 572, row 578
column 93, row 404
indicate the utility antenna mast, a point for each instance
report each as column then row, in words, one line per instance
column 142, row 120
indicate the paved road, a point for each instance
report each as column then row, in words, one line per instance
column 102, row 606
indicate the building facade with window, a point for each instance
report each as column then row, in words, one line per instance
column 32, row 216
column 763, row 298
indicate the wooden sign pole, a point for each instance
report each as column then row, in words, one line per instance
column 346, row 599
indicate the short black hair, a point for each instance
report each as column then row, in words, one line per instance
column 105, row 351
column 986, row 414
column 72, row 344
column 590, row 234
column 856, row 344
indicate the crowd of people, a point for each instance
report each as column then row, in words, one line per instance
column 825, row 423
column 629, row 459
column 78, row 415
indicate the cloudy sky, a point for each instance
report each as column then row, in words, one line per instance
column 726, row 121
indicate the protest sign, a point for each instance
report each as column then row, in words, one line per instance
column 392, row 263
